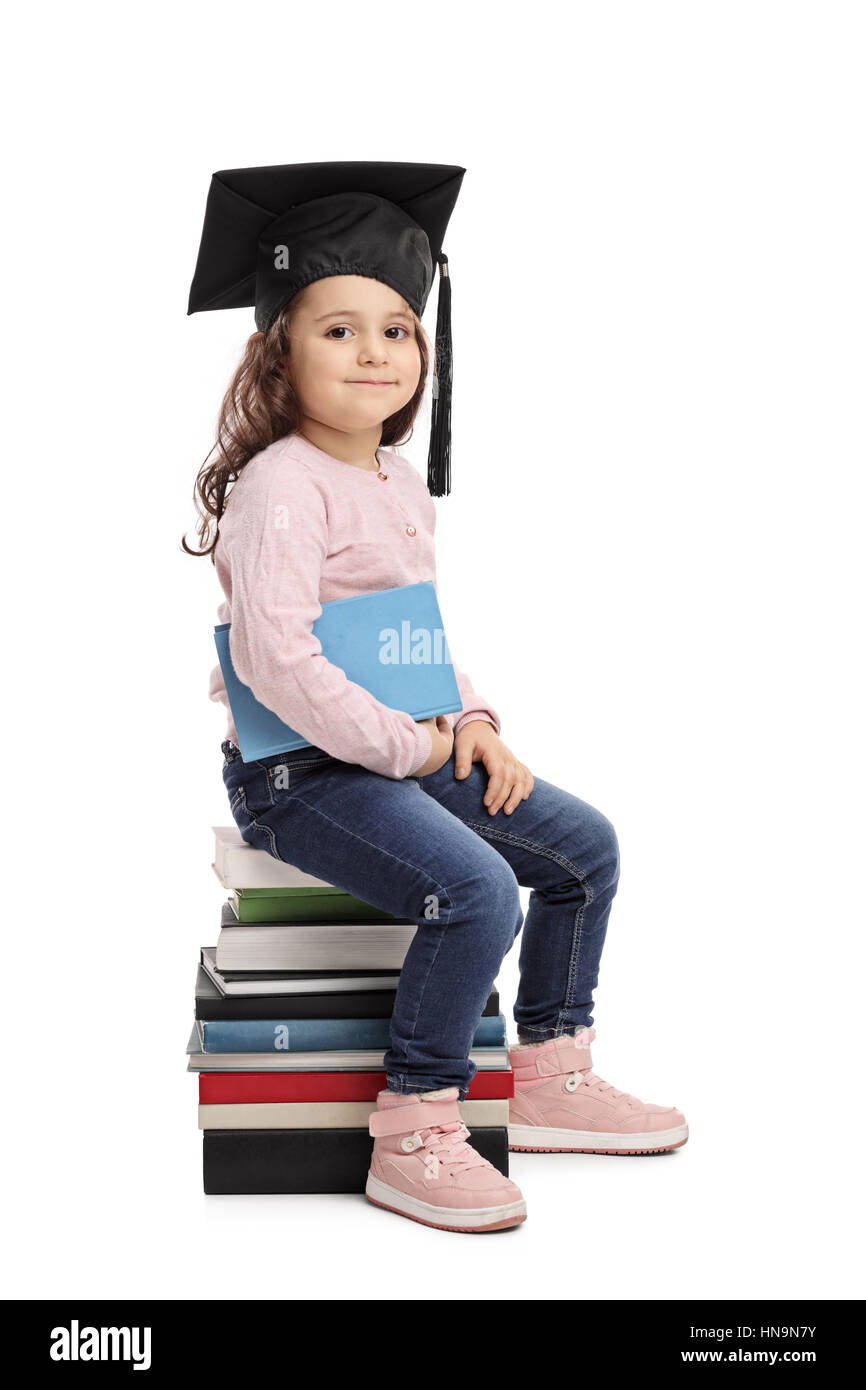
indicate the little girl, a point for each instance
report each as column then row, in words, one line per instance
column 439, row 821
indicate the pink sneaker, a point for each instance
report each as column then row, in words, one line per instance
column 422, row 1167
column 561, row 1106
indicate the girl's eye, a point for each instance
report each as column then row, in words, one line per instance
column 343, row 328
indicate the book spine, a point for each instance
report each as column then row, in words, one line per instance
column 304, row 1160
column 257, row 1086
column 319, row 1034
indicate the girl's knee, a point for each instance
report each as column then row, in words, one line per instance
column 498, row 884
column 492, row 892
column 605, row 848
column 591, row 854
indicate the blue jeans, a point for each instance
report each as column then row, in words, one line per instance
column 427, row 848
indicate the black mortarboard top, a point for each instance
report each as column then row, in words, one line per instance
column 270, row 231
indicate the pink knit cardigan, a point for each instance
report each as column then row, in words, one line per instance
column 301, row 528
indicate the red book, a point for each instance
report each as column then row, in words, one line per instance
column 237, row 1087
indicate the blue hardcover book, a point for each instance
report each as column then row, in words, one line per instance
column 319, row 1034
column 390, row 641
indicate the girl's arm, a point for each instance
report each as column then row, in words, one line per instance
column 275, row 548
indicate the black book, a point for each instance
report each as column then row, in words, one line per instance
column 308, row 1160
column 295, row 981
column 212, row 1005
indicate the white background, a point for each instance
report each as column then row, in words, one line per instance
column 650, row 563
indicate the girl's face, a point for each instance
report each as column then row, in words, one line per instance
column 347, row 332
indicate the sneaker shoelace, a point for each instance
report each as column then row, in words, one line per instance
column 445, row 1144
column 595, row 1083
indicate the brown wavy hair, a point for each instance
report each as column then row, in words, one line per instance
column 259, row 407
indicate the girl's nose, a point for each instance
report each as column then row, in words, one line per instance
column 372, row 351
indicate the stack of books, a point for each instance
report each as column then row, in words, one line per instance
column 292, row 1013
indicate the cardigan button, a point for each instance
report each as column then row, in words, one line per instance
column 410, row 530
column 383, row 476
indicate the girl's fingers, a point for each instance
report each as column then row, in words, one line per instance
column 520, row 793
column 511, row 780
column 495, row 783
column 499, row 787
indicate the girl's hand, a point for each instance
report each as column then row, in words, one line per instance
column 478, row 741
column 443, row 741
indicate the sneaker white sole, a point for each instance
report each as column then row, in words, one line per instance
column 470, row 1219
column 537, row 1139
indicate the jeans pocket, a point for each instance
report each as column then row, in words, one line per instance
column 291, row 772
column 255, row 793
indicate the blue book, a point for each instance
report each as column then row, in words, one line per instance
column 319, row 1034
column 391, row 642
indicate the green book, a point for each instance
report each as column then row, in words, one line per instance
column 303, row 905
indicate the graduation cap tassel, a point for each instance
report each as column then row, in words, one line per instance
column 439, row 457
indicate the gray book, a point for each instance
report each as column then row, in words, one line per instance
column 287, row 946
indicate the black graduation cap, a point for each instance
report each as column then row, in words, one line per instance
column 270, row 231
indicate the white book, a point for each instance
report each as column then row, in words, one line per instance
column 239, row 865
column 330, row 1114
column 315, row 946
